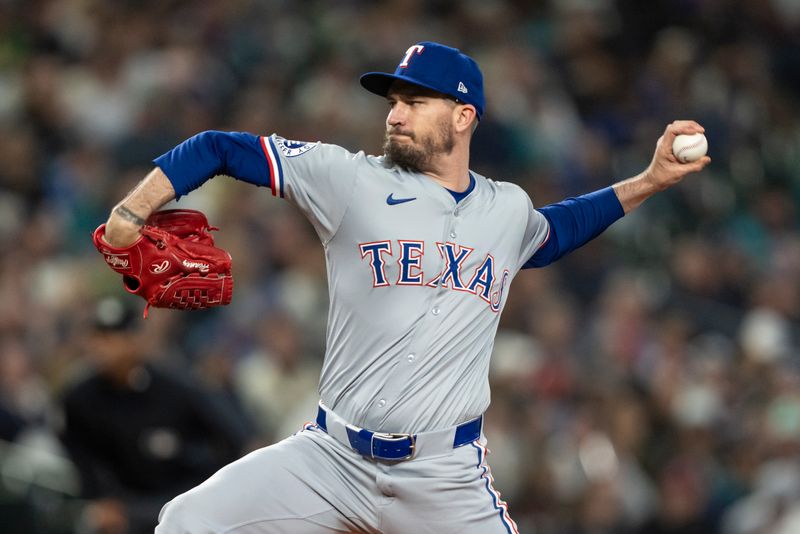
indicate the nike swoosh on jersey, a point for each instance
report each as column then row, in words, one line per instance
column 394, row 201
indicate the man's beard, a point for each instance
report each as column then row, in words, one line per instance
column 417, row 157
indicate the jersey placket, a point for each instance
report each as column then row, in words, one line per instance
column 416, row 352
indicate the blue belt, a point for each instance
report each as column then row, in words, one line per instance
column 396, row 447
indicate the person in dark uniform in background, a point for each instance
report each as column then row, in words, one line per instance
column 139, row 434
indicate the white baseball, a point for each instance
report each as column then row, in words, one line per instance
column 688, row 148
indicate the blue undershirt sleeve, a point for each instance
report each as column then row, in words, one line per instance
column 574, row 222
column 207, row 154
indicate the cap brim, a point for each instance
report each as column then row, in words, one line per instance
column 380, row 82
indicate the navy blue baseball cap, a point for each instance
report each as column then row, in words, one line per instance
column 435, row 66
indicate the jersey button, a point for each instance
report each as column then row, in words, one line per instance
column 435, row 310
column 410, row 357
column 455, row 212
column 381, row 403
column 452, row 235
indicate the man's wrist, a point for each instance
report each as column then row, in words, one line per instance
column 124, row 213
column 635, row 190
column 650, row 184
column 122, row 227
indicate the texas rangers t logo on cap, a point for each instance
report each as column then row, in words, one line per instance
column 410, row 52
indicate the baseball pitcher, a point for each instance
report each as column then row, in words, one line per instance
column 420, row 253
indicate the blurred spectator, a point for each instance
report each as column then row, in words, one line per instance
column 26, row 404
column 138, row 434
column 683, row 497
column 36, row 475
column 277, row 381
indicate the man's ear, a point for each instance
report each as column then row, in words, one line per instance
column 465, row 116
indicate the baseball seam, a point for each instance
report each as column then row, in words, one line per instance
column 688, row 147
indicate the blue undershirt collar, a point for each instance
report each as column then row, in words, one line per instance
column 463, row 194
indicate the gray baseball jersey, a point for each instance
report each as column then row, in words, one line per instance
column 417, row 283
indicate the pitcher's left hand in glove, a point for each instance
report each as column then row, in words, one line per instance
column 174, row 263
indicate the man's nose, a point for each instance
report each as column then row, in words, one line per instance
column 397, row 115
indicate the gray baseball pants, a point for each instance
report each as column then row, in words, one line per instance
column 312, row 483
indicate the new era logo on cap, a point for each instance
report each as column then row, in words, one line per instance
column 435, row 66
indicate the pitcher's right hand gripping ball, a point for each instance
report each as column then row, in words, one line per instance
column 174, row 263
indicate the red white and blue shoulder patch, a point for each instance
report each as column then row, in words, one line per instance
column 291, row 149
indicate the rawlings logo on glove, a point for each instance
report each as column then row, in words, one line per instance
column 174, row 264
column 116, row 262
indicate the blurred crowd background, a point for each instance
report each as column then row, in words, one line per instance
column 647, row 383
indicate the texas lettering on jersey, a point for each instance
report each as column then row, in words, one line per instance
column 411, row 253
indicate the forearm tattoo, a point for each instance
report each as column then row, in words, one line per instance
column 128, row 215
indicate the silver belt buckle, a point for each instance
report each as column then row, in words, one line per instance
column 386, row 436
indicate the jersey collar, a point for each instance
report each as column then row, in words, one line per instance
column 459, row 196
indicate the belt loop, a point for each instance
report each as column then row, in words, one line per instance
column 468, row 432
column 322, row 418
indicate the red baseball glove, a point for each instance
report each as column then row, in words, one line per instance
column 174, row 264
